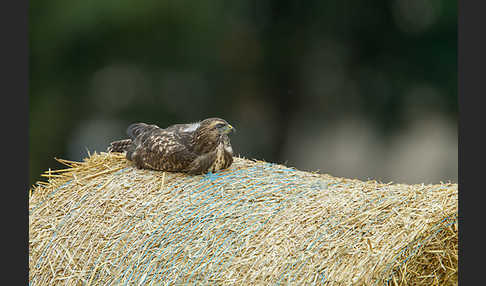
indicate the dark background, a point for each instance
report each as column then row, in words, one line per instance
column 355, row 89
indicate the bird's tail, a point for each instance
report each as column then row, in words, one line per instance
column 119, row 146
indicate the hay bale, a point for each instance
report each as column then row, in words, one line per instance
column 104, row 222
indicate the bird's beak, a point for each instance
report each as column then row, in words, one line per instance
column 229, row 129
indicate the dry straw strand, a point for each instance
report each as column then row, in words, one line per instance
column 104, row 222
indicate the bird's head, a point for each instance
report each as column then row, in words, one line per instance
column 210, row 133
column 216, row 126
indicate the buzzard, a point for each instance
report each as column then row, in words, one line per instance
column 194, row 148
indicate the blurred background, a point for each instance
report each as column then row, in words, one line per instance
column 355, row 89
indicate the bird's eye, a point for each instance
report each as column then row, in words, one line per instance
column 220, row 125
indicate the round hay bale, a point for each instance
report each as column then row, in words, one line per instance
column 104, row 222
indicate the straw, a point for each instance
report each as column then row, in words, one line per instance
column 105, row 222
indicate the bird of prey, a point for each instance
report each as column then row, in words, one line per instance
column 193, row 148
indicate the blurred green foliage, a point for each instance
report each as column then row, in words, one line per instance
column 281, row 52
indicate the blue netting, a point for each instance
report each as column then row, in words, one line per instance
column 212, row 213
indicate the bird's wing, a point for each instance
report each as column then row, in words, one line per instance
column 161, row 149
column 136, row 129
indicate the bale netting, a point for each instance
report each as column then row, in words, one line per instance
column 105, row 222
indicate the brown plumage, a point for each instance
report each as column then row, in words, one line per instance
column 194, row 148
